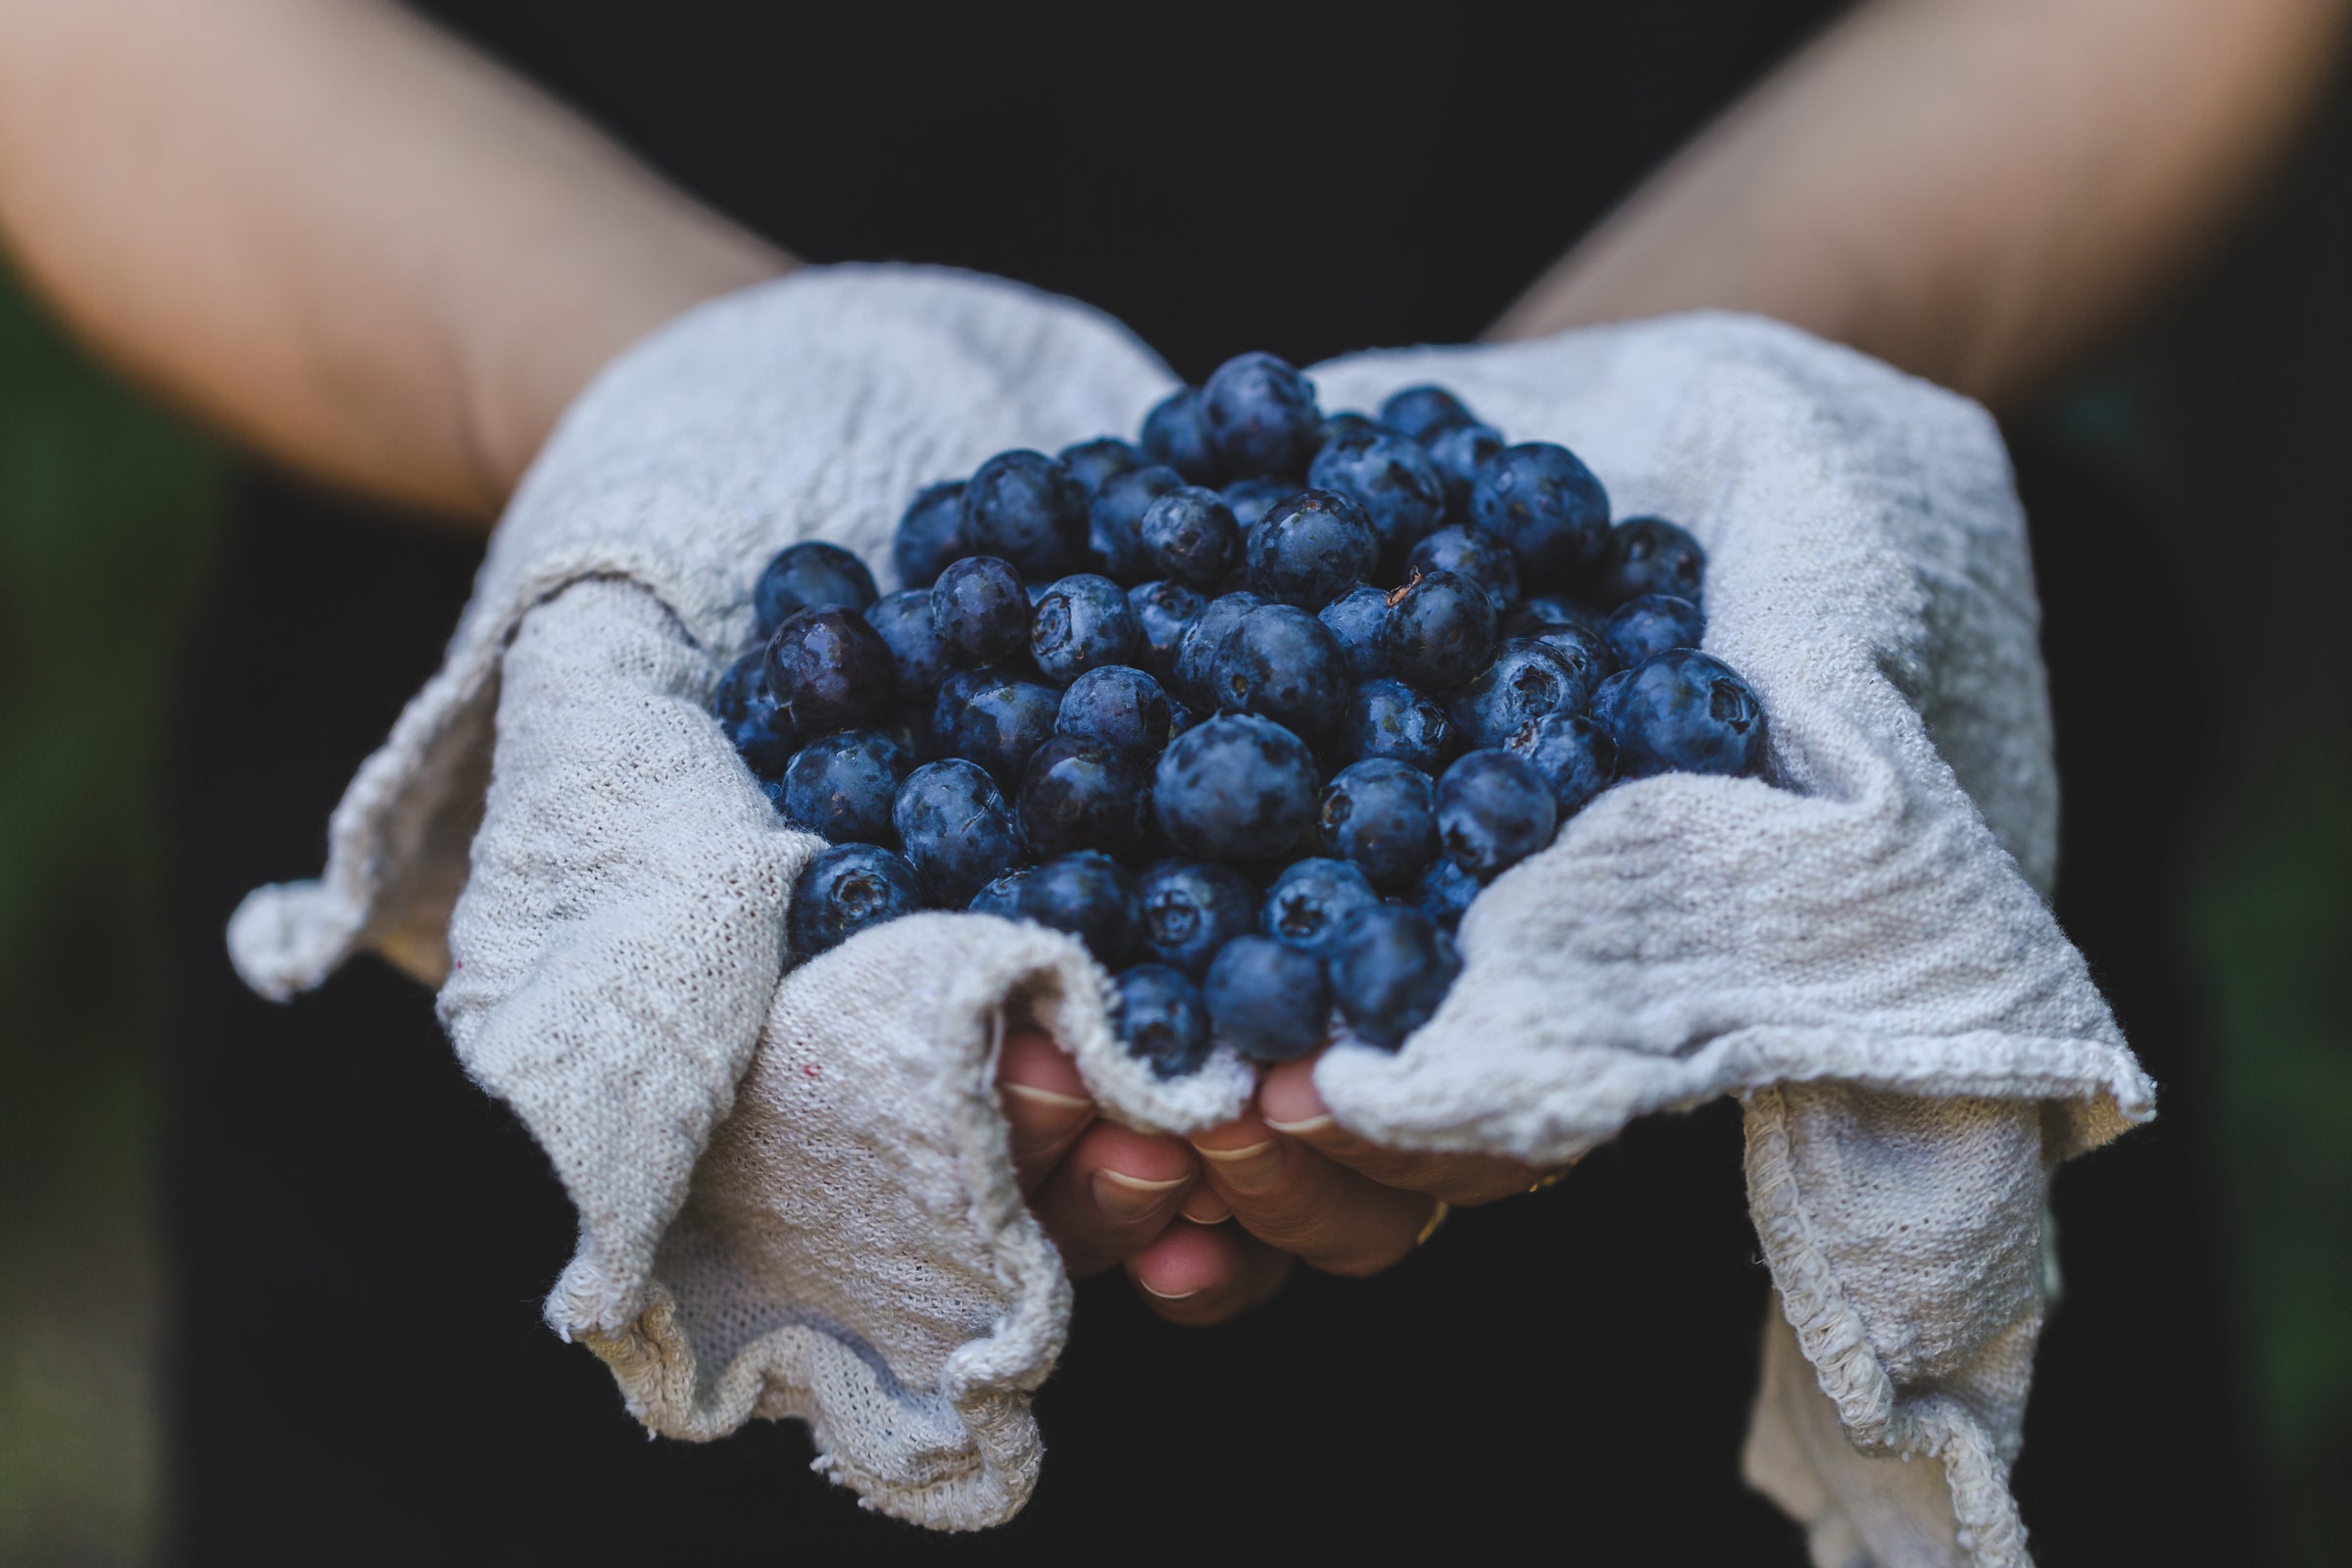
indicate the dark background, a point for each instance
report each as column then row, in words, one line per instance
column 2199, row 660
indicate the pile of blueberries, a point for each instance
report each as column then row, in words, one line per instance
column 1155, row 695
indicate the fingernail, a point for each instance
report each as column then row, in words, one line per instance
column 1299, row 1129
column 1044, row 1099
column 1125, row 1197
column 1165, row 1296
column 1250, row 1169
column 1204, row 1208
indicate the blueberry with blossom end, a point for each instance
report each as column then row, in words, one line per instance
column 1189, row 534
column 1268, row 999
column 1236, row 788
column 1311, row 900
column 1078, row 794
column 956, row 830
column 1390, row 477
column 1355, row 618
column 1439, row 631
column 1682, row 711
column 1121, row 707
column 1081, row 624
column 1194, row 675
column 828, row 669
column 979, row 611
column 1092, row 462
column 761, row 732
column 1174, row 435
column 1444, row 893
column 1649, row 556
column 1114, row 518
column 1381, row 817
column 1526, row 681
column 1474, row 553
column 1389, row 969
column 930, row 534
column 1421, row 412
column 1585, row 651
column 903, row 620
column 1387, row 718
column 1192, row 908
column 1494, row 811
column 845, row 889
column 1311, row 548
column 1283, row 662
column 1164, row 613
column 1651, row 624
column 842, row 786
column 1000, row 723
column 1260, row 414
column 1457, row 452
column 1028, row 509
column 1576, row 757
column 1540, row 500
column 806, row 576
column 1162, row 1020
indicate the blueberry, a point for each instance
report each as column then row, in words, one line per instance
column 1311, row 900
column 1446, row 892
column 1028, row 509
column 1115, row 519
column 979, row 612
column 1000, row 723
column 1078, row 794
column 1441, row 631
column 1347, row 422
column 1311, row 548
column 1250, row 499
column 1541, row 613
column 1390, row 968
column 930, row 534
column 1649, row 556
column 829, row 670
column 1003, row 897
column 1283, row 662
column 747, row 710
column 1584, row 650
column 1194, row 676
column 1387, row 718
column 903, row 620
column 1494, row 811
column 1681, row 712
column 1260, row 416
column 1457, row 452
column 807, row 575
column 1189, row 534
column 1526, row 683
column 845, row 889
column 1268, row 998
column 1164, row 613
column 1192, row 908
column 1605, row 700
column 1355, row 618
column 1174, row 434
column 1576, row 757
column 1163, row 1020
column 1381, row 817
column 841, row 786
column 1236, row 788
column 1390, row 477
column 1120, row 706
column 1651, row 624
column 1092, row 462
column 1421, row 412
column 1083, row 623
column 1088, row 895
column 1476, row 555
column 956, row 830
column 1544, row 503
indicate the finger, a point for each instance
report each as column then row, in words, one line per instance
column 1115, row 1191
column 1287, row 1101
column 1196, row 1276
column 1044, row 1101
column 1284, row 1193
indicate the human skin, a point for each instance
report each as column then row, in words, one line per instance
column 360, row 248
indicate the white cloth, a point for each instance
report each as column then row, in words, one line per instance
column 795, row 1194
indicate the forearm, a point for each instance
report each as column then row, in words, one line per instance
column 336, row 233
column 1976, row 190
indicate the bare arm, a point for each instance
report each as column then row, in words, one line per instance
column 1976, row 190
column 335, row 232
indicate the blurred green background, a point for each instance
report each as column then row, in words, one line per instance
column 2227, row 417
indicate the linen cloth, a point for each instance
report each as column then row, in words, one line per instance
column 795, row 1194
